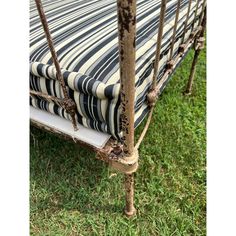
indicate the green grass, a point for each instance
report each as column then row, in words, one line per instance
column 72, row 193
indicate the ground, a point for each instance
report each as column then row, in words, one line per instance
column 72, row 193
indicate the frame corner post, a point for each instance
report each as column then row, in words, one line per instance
column 126, row 10
column 129, row 195
column 127, row 36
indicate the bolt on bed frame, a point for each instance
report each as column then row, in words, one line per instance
column 123, row 156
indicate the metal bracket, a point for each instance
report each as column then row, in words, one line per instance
column 114, row 155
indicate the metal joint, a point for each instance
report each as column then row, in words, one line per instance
column 114, row 155
column 182, row 49
column 170, row 65
column 69, row 105
column 200, row 43
column 125, row 164
column 152, row 97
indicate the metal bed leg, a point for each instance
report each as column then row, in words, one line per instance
column 188, row 90
column 129, row 195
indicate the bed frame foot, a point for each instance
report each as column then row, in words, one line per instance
column 188, row 90
column 129, row 210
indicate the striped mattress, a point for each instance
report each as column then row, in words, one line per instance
column 86, row 41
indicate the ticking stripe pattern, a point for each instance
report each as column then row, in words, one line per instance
column 86, row 41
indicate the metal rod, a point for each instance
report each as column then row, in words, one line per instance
column 203, row 22
column 159, row 40
column 187, row 19
column 195, row 15
column 51, row 46
column 203, row 13
column 145, row 129
column 175, row 29
column 127, row 35
column 157, row 88
column 46, row 96
column 69, row 104
column 129, row 195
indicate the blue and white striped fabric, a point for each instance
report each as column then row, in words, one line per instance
column 85, row 37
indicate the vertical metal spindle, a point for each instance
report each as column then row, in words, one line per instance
column 203, row 22
column 159, row 40
column 196, row 11
column 68, row 102
column 187, row 19
column 127, row 36
column 175, row 29
column 202, row 13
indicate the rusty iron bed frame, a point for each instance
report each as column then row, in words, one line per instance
column 123, row 156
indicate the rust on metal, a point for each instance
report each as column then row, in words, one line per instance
column 57, row 100
column 113, row 154
column 127, row 35
column 129, row 195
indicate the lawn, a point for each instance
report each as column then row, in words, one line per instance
column 72, row 193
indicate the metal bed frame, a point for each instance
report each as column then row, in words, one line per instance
column 124, row 155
